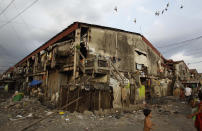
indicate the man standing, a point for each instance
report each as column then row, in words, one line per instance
column 188, row 92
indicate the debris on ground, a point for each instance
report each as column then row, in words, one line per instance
column 28, row 114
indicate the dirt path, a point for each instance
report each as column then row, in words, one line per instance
column 168, row 116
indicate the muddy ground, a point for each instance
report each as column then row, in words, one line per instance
column 168, row 115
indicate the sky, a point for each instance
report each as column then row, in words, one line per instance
column 43, row 20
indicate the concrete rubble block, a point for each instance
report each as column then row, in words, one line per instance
column 100, row 112
column 18, row 106
column 106, row 111
column 88, row 113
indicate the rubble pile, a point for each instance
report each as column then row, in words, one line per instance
column 25, row 108
column 168, row 106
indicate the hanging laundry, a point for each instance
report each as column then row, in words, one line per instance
column 157, row 13
column 142, row 92
column 115, row 8
column 168, row 5
column 162, row 12
column 135, row 20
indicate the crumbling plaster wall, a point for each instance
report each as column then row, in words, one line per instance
column 122, row 45
column 181, row 71
column 55, row 80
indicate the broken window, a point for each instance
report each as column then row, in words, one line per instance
column 140, row 53
column 140, row 58
column 139, row 66
column 84, row 39
column 83, row 50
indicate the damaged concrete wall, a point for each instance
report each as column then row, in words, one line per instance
column 181, row 71
column 123, row 46
column 55, row 80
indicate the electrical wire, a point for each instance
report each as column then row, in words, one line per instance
column 4, row 10
column 195, row 53
column 17, row 36
column 37, row 27
column 194, row 62
column 25, row 9
column 181, row 43
column 25, row 23
column 1, row 1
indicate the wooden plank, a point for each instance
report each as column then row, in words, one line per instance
column 68, row 69
column 38, row 74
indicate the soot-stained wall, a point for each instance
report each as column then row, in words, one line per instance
column 122, row 45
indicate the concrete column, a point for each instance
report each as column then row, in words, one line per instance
column 76, row 56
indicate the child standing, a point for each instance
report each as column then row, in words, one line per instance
column 194, row 107
column 198, row 114
column 147, row 122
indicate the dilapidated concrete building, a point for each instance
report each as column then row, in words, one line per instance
column 181, row 71
column 89, row 67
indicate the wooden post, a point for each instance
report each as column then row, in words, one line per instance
column 99, row 99
column 77, row 103
column 46, row 90
column 67, row 101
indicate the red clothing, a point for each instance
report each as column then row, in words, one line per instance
column 198, row 121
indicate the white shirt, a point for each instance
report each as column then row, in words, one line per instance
column 188, row 91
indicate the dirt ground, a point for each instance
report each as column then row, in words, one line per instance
column 168, row 115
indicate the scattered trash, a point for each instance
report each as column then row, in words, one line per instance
column 19, row 116
column 61, row 113
column 30, row 115
column 67, row 119
column 17, row 96
column 48, row 113
column 80, row 117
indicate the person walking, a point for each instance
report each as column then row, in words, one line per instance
column 198, row 114
column 188, row 92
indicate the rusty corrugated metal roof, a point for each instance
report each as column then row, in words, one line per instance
column 72, row 28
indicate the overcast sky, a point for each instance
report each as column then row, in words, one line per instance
column 47, row 17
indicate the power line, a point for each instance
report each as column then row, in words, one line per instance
column 30, row 25
column 19, row 14
column 194, row 62
column 195, row 53
column 180, row 43
column 17, row 34
column 1, row 1
column 25, row 23
column 6, row 7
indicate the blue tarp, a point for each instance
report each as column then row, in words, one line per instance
column 35, row 82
